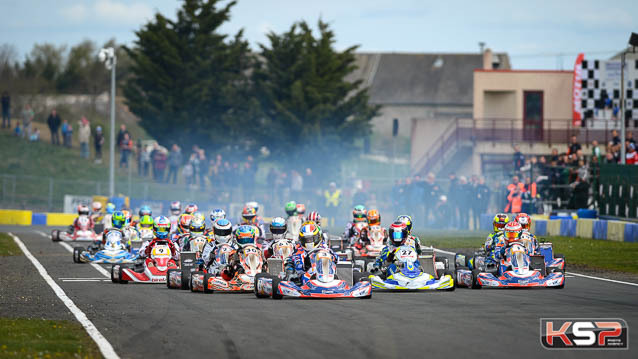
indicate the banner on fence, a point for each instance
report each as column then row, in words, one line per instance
column 71, row 202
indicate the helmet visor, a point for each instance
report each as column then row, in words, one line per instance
column 243, row 240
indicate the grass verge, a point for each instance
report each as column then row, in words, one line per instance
column 590, row 253
column 7, row 246
column 38, row 338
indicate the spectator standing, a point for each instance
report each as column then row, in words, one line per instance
column 482, row 192
column 631, row 157
column 574, row 146
column 519, row 159
column 514, row 189
column 84, row 135
column 126, row 146
column 174, row 161
column 194, row 161
column 187, row 173
column 54, row 122
column 120, row 135
column 6, row 110
column 27, row 119
column 145, row 160
column 67, row 133
column 98, row 142
column 203, row 167
column 464, row 202
column 332, row 198
column 159, row 163
column 595, row 151
column 630, row 138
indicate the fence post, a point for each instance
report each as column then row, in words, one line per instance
column 50, row 195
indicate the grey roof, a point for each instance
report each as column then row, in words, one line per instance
column 419, row 79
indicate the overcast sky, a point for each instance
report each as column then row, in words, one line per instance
column 532, row 32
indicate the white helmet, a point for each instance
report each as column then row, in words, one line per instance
column 223, row 231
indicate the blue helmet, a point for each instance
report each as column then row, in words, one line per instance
column 110, row 208
column 118, row 219
column 161, row 227
column 145, row 211
column 216, row 214
column 246, row 234
column 278, row 226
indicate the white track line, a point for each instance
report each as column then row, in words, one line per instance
column 105, row 347
column 570, row 273
column 103, row 271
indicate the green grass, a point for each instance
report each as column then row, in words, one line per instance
column 588, row 253
column 38, row 338
column 7, row 246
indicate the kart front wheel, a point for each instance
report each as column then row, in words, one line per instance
column 360, row 277
column 207, row 276
column 186, row 279
column 55, row 235
column 475, row 282
column 76, row 254
column 256, row 281
column 114, row 278
column 275, row 288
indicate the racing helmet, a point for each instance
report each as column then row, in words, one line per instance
column 191, row 208
column 512, row 232
column 291, row 208
column 97, row 207
column 278, row 226
column 176, row 207
column 407, row 220
column 524, row 220
column 246, row 234
column 223, row 231
column 83, row 210
column 398, row 233
column 500, row 220
column 145, row 211
column 301, row 208
column 310, row 236
column 198, row 223
column 128, row 216
column 146, row 221
column 253, row 204
column 118, row 219
column 374, row 218
column 248, row 214
column 184, row 223
column 161, row 227
column 315, row 217
column 216, row 214
column 359, row 214
column 110, row 208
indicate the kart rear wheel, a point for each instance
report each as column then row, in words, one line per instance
column 114, row 279
column 257, row 277
column 360, row 277
column 186, row 279
column 275, row 286
column 168, row 278
column 206, row 278
column 76, row 254
column 55, row 235
column 456, row 275
column 475, row 282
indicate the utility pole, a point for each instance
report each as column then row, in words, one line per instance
column 107, row 55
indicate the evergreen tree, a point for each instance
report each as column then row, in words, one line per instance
column 189, row 83
column 311, row 111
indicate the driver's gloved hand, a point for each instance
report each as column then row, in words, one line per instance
column 375, row 270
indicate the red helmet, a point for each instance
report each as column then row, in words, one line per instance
column 191, row 208
column 524, row 220
column 184, row 223
column 398, row 233
column 248, row 214
column 83, row 210
column 301, row 208
column 314, row 216
column 512, row 232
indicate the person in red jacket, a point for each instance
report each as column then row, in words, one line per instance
column 631, row 157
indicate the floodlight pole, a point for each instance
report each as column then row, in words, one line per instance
column 622, row 107
column 107, row 55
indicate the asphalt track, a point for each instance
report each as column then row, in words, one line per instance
column 143, row 321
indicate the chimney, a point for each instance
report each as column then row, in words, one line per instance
column 487, row 60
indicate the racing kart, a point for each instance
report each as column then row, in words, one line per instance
column 364, row 255
column 250, row 264
column 83, row 232
column 324, row 283
column 189, row 262
column 151, row 270
column 410, row 271
column 517, row 269
column 113, row 251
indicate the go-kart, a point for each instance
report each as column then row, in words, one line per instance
column 151, row 270
column 517, row 269
column 552, row 261
column 113, row 251
column 250, row 264
column 83, row 232
column 365, row 252
column 410, row 271
column 190, row 261
column 322, row 284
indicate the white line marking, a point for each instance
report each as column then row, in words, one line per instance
column 570, row 273
column 83, row 280
column 66, row 246
column 72, row 278
column 105, row 347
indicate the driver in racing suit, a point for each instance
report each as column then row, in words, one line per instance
column 374, row 219
column 359, row 215
column 96, row 212
column 196, row 229
column 117, row 224
column 183, row 228
column 297, row 266
column 407, row 220
column 106, row 220
column 398, row 235
column 244, row 235
column 511, row 233
column 499, row 223
column 223, row 234
column 278, row 230
column 249, row 217
column 83, row 211
column 176, row 209
column 161, row 230
column 526, row 222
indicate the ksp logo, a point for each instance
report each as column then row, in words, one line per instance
column 584, row 333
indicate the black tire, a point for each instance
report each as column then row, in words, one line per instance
column 475, row 282
column 168, row 277
column 76, row 254
column 366, row 296
column 451, row 274
column 113, row 279
column 186, row 279
column 360, row 277
column 275, row 285
column 55, row 235
column 206, row 277
column 440, row 273
column 257, row 277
